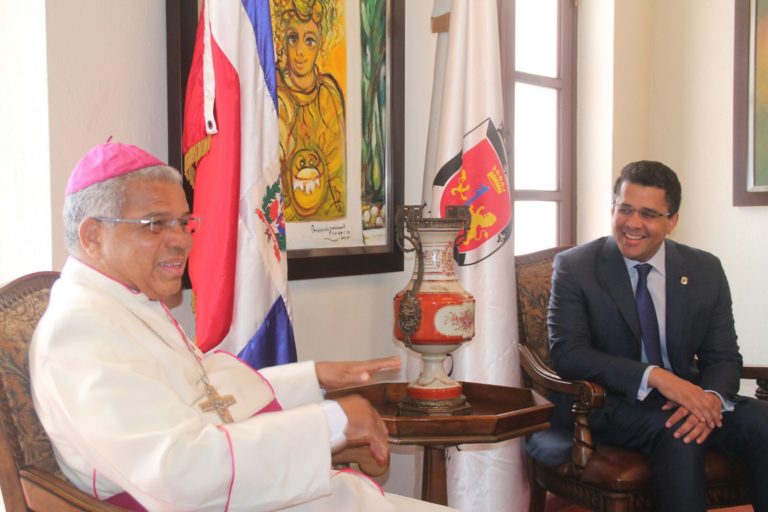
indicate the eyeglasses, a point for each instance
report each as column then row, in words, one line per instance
column 645, row 213
column 157, row 225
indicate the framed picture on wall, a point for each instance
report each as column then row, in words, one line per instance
column 341, row 136
column 750, row 110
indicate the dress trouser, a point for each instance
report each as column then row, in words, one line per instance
column 678, row 479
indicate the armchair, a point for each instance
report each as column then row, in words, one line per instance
column 29, row 474
column 569, row 464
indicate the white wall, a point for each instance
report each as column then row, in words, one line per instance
column 89, row 70
column 107, row 77
column 631, row 82
column 594, row 118
column 25, row 185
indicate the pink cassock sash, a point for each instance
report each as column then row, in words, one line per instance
column 126, row 501
column 273, row 406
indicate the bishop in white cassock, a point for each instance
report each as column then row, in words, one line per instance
column 137, row 414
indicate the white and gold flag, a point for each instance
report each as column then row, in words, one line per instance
column 466, row 164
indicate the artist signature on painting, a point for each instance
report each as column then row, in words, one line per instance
column 331, row 232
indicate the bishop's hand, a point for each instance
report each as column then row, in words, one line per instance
column 340, row 374
column 365, row 427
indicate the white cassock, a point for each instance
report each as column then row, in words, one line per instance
column 117, row 388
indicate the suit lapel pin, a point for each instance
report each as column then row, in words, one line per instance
column 684, row 280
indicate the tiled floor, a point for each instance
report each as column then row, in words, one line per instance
column 555, row 504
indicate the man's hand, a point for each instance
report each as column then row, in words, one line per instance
column 696, row 404
column 340, row 374
column 365, row 427
column 692, row 429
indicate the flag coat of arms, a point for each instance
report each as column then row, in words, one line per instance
column 238, row 264
column 475, row 177
column 466, row 165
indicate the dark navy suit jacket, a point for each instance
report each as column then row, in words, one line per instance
column 595, row 331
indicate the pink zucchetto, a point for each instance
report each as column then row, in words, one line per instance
column 107, row 161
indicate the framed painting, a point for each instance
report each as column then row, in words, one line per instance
column 750, row 110
column 341, row 171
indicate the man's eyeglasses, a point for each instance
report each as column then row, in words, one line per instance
column 159, row 224
column 645, row 213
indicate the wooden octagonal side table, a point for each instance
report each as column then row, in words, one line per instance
column 498, row 413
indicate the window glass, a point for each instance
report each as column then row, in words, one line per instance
column 535, row 146
column 538, row 55
column 536, row 37
column 535, row 226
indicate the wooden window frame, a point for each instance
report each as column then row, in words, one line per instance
column 565, row 84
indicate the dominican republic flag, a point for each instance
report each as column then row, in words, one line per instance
column 230, row 142
column 466, row 164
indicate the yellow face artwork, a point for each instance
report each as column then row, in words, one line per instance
column 303, row 45
column 309, row 182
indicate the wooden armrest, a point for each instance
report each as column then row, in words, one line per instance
column 754, row 372
column 45, row 491
column 588, row 394
column 360, row 455
column 760, row 374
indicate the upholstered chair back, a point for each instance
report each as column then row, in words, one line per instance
column 534, row 277
column 22, row 303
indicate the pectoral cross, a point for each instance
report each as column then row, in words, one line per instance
column 218, row 403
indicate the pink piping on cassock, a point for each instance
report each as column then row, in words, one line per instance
column 95, row 492
column 274, row 405
column 357, row 473
column 132, row 290
column 232, row 459
column 254, row 370
column 175, row 324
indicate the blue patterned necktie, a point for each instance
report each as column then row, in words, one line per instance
column 649, row 324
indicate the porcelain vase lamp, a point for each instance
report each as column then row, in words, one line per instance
column 434, row 315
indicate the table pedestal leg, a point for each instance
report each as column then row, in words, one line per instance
column 433, row 485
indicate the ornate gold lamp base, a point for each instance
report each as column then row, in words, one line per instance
column 452, row 407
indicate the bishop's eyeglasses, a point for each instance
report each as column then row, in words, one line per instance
column 157, row 225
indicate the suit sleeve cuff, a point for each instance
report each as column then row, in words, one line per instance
column 727, row 404
column 645, row 389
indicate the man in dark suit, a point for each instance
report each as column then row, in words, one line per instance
column 668, row 359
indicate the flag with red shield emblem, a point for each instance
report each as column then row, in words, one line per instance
column 476, row 177
column 466, row 165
